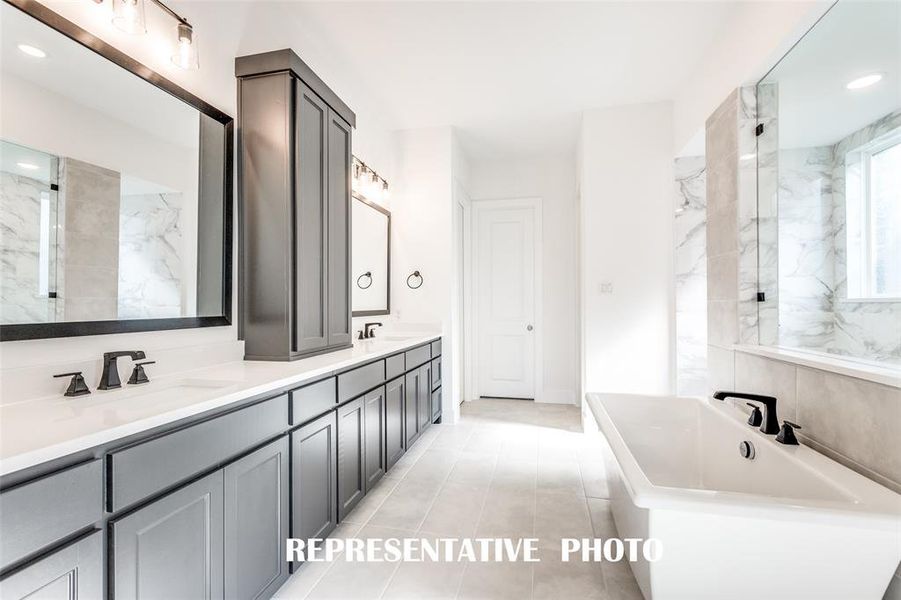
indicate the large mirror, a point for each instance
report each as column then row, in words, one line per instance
column 115, row 189
column 829, row 187
column 370, row 258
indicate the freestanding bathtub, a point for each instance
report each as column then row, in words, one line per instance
column 788, row 524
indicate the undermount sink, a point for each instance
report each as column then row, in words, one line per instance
column 395, row 338
column 156, row 393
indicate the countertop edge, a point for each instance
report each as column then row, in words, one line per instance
column 31, row 458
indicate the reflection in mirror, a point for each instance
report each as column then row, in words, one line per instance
column 829, row 187
column 370, row 258
column 111, row 189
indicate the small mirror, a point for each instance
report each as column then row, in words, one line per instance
column 829, row 187
column 370, row 257
column 115, row 191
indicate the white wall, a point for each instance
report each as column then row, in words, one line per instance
column 553, row 179
column 626, row 158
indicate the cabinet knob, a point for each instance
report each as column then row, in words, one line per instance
column 529, row 328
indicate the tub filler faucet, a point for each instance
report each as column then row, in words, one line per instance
column 770, row 420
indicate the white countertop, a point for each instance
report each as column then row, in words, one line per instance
column 43, row 429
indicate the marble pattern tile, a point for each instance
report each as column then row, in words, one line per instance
column 151, row 245
column 20, row 235
column 690, row 239
column 806, row 260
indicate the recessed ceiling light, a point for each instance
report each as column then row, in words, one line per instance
column 865, row 81
column 32, row 51
column 27, row 166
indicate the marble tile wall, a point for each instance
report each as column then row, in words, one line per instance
column 806, row 249
column 869, row 329
column 690, row 238
column 20, row 235
column 88, row 271
column 150, row 266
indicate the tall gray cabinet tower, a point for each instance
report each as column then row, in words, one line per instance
column 294, row 177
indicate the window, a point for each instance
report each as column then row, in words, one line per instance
column 873, row 219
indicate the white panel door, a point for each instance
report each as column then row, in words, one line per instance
column 505, row 289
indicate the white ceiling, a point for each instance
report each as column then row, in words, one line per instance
column 855, row 38
column 513, row 77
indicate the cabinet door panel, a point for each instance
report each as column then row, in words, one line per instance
column 411, row 406
column 339, row 169
column 374, row 420
column 73, row 573
column 314, row 450
column 256, row 522
column 424, row 396
column 173, row 547
column 395, row 442
column 310, row 221
column 436, row 405
column 351, row 460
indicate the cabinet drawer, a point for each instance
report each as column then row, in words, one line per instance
column 394, row 366
column 418, row 356
column 313, row 400
column 44, row 511
column 436, row 373
column 436, row 348
column 353, row 383
column 139, row 471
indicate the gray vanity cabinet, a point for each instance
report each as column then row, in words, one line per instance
column 374, row 422
column 73, row 573
column 311, row 219
column 173, row 547
column 294, row 173
column 314, row 468
column 351, row 459
column 256, row 522
column 424, row 396
column 436, row 405
column 395, row 441
column 412, row 386
column 340, row 164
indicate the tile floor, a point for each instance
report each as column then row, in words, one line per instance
column 509, row 468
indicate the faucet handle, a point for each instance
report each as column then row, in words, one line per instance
column 787, row 433
column 138, row 375
column 756, row 417
column 77, row 387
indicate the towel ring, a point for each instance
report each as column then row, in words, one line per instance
column 367, row 275
column 416, row 275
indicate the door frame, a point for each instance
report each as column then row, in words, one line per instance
column 479, row 208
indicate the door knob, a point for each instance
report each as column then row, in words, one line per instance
column 529, row 328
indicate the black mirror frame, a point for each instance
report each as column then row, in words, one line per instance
column 387, row 311
column 31, row 331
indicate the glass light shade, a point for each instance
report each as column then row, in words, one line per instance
column 186, row 55
column 128, row 15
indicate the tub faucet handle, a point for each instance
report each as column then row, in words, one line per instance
column 787, row 434
column 756, row 417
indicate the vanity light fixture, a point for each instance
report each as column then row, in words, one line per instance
column 186, row 53
column 32, row 51
column 367, row 183
column 864, row 82
column 128, row 15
